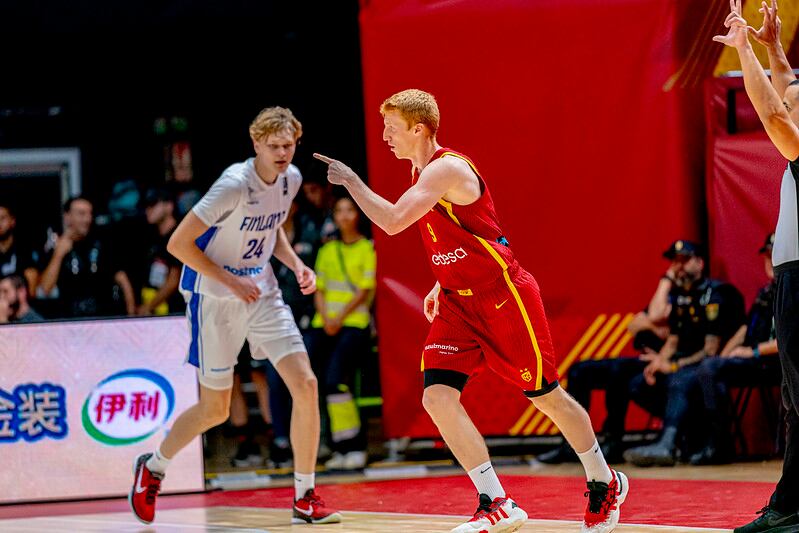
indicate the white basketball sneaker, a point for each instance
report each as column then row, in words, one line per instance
column 499, row 516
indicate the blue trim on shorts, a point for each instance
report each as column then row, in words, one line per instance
column 194, row 320
column 190, row 276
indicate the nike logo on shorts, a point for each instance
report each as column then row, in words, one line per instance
column 501, row 304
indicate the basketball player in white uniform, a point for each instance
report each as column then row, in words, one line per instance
column 225, row 243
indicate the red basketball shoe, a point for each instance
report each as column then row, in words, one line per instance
column 145, row 488
column 604, row 500
column 310, row 509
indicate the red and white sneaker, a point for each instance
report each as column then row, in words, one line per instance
column 310, row 509
column 499, row 516
column 145, row 488
column 604, row 500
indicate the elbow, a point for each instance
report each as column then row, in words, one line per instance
column 171, row 246
column 392, row 229
column 394, row 225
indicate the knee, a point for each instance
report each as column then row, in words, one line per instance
column 215, row 411
column 553, row 401
column 637, row 386
column 438, row 401
column 306, row 388
column 576, row 373
column 708, row 367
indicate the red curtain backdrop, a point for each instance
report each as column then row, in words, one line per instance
column 744, row 170
column 594, row 167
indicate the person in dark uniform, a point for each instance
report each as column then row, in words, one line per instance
column 739, row 365
column 84, row 269
column 777, row 106
column 614, row 375
column 705, row 313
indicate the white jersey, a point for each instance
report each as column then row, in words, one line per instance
column 243, row 215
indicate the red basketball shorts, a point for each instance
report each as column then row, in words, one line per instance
column 501, row 326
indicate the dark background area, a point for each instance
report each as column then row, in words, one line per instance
column 96, row 75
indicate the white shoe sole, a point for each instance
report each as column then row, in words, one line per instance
column 511, row 524
column 332, row 518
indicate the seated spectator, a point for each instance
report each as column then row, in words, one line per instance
column 14, row 292
column 15, row 258
column 157, row 279
column 345, row 270
column 705, row 313
column 614, row 375
column 740, row 365
column 83, row 268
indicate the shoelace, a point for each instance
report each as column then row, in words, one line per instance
column 598, row 501
column 314, row 499
column 482, row 510
column 763, row 511
column 152, row 491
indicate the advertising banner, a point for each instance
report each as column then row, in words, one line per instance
column 79, row 400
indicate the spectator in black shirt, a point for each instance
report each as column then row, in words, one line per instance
column 83, row 268
column 157, row 282
column 614, row 375
column 14, row 293
column 705, row 313
column 740, row 365
column 15, row 258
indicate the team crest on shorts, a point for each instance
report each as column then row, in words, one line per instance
column 526, row 375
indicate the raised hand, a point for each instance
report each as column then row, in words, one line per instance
column 769, row 33
column 737, row 36
column 337, row 172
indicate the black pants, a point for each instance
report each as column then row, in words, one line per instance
column 786, row 316
column 670, row 398
column 335, row 360
column 612, row 375
column 717, row 374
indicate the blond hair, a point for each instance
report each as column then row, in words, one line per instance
column 272, row 120
column 415, row 106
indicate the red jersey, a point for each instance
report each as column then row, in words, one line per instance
column 465, row 245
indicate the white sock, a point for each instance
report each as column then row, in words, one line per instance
column 157, row 462
column 486, row 481
column 302, row 482
column 596, row 469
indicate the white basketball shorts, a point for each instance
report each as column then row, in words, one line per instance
column 219, row 327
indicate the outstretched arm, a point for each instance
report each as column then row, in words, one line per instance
column 770, row 108
column 769, row 36
column 438, row 177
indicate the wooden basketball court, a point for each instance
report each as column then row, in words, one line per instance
column 250, row 520
column 664, row 500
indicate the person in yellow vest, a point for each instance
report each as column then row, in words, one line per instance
column 345, row 270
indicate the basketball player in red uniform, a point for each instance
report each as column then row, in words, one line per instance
column 485, row 309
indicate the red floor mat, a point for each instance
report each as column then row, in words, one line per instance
column 718, row 504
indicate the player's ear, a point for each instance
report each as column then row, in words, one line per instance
column 255, row 144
